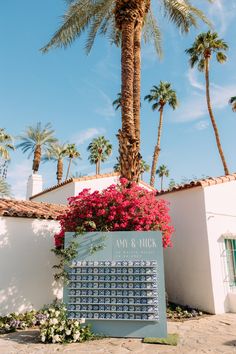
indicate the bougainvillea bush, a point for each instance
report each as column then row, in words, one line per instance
column 121, row 207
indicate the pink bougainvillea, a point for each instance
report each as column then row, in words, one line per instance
column 121, row 207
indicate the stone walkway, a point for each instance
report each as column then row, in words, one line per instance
column 213, row 334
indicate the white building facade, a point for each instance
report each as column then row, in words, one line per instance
column 200, row 269
column 27, row 232
column 60, row 193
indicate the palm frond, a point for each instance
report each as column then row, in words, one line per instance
column 5, row 189
column 152, row 32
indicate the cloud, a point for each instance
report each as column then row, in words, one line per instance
column 222, row 13
column 106, row 110
column 201, row 125
column 17, row 177
column 87, row 134
column 193, row 80
column 195, row 106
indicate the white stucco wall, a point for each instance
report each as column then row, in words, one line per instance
column 187, row 264
column 220, row 201
column 95, row 184
column 26, row 274
column 61, row 194
column 196, row 267
column 57, row 196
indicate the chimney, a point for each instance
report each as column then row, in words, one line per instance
column 34, row 185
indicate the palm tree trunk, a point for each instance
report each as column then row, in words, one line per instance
column 96, row 168
column 137, row 79
column 99, row 167
column 68, row 169
column 128, row 144
column 127, row 67
column 162, row 182
column 226, row 170
column 37, row 158
column 157, row 149
column 144, row 8
column 59, row 170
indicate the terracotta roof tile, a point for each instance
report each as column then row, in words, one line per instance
column 28, row 209
column 207, row 182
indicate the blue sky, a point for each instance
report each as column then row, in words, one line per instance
column 75, row 92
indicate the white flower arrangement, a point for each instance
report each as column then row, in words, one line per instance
column 53, row 323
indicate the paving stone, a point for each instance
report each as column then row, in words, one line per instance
column 209, row 335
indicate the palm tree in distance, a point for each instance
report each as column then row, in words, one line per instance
column 124, row 22
column 144, row 167
column 162, row 172
column 6, row 145
column 36, row 140
column 204, row 47
column 57, row 152
column 73, row 154
column 160, row 96
column 100, row 149
column 117, row 102
column 232, row 102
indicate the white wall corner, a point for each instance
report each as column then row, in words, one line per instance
column 34, row 185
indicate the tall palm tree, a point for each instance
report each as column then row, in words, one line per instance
column 117, row 102
column 6, row 144
column 161, row 96
column 232, row 102
column 204, row 47
column 57, row 152
column 162, row 172
column 36, row 140
column 100, row 149
column 124, row 22
column 73, row 154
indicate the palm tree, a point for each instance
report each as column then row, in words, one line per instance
column 144, row 167
column 57, row 152
column 117, row 103
column 73, row 154
column 172, row 184
column 36, row 140
column 204, row 47
column 160, row 95
column 6, row 144
column 162, row 172
column 124, row 22
column 232, row 102
column 116, row 167
column 100, row 149
column 5, row 190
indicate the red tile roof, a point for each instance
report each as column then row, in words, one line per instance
column 80, row 179
column 200, row 183
column 27, row 209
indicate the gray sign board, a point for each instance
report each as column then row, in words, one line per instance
column 117, row 283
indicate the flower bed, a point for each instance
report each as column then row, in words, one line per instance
column 56, row 328
column 52, row 322
column 179, row 313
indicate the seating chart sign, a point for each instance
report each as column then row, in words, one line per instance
column 120, row 296
column 108, row 290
